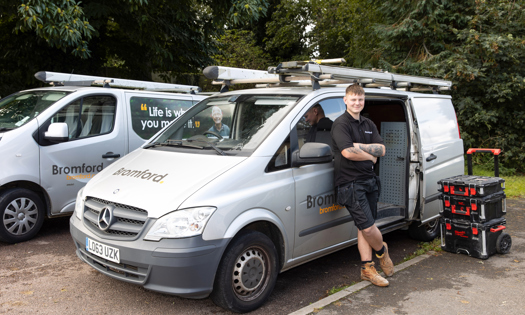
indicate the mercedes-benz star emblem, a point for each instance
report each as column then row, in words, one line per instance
column 105, row 218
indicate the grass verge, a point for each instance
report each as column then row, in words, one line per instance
column 425, row 247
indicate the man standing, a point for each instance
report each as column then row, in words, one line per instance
column 357, row 145
column 218, row 126
column 316, row 118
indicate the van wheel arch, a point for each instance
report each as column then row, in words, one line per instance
column 425, row 232
column 274, row 234
column 247, row 272
column 37, row 189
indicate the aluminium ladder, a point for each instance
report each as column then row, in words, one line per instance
column 317, row 74
column 66, row 79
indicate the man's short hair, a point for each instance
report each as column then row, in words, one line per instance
column 320, row 110
column 355, row 89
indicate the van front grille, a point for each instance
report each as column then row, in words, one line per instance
column 118, row 220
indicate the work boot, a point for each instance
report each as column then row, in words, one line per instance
column 385, row 262
column 369, row 272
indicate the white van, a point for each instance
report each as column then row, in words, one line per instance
column 237, row 209
column 53, row 140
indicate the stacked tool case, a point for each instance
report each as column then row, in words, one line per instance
column 472, row 213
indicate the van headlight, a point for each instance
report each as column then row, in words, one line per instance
column 180, row 223
column 79, row 204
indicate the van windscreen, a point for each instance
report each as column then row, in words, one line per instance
column 228, row 125
column 19, row 108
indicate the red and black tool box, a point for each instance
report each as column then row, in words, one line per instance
column 480, row 240
column 471, row 185
column 472, row 209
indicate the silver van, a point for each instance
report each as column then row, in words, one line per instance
column 53, row 140
column 196, row 213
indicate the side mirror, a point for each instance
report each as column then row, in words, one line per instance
column 57, row 132
column 312, row 153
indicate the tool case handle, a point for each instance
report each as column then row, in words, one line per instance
column 496, row 153
column 499, row 228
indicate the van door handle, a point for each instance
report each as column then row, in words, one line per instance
column 110, row 155
column 431, row 157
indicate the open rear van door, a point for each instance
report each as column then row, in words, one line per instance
column 440, row 148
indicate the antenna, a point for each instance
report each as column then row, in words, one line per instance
column 66, row 79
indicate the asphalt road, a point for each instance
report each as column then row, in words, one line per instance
column 44, row 276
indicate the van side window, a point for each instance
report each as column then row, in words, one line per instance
column 88, row 116
column 309, row 131
column 281, row 159
column 149, row 115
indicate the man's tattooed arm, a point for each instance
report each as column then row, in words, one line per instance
column 353, row 150
column 373, row 149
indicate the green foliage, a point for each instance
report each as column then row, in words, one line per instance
column 305, row 29
column 247, row 11
column 424, row 248
column 239, row 50
column 120, row 38
column 287, row 37
column 61, row 23
column 480, row 47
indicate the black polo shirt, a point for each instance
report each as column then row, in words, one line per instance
column 345, row 131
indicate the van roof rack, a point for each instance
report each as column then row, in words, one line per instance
column 316, row 73
column 66, row 79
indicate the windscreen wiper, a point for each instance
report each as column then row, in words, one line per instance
column 151, row 145
column 216, row 148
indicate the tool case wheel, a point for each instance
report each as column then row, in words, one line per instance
column 503, row 243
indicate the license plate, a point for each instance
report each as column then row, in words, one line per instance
column 102, row 250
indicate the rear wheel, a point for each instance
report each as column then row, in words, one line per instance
column 22, row 214
column 426, row 232
column 503, row 243
column 247, row 273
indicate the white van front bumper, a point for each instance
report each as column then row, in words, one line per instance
column 184, row 267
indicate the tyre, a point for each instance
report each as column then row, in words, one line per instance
column 503, row 243
column 426, row 232
column 247, row 273
column 22, row 214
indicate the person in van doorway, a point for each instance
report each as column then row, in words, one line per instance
column 316, row 118
column 218, row 127
column 357, row 145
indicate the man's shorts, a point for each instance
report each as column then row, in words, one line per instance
column 360, row 199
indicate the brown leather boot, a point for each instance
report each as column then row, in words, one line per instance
column 385, row 262
column 369, row 272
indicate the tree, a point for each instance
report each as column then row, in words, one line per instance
column 137, row 36
column 480, row 47
column 305, row 29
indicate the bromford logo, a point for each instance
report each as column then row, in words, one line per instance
column 146, row 175
column 323, row 200
column 80, row 169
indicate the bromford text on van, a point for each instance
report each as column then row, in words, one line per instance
column 236, row 210
column 54, row 139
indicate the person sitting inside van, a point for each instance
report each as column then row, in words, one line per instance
column 318, row 122
column 219, row 127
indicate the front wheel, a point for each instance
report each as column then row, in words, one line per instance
column 247, row 273
column 426, row 232
column 22, row 214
